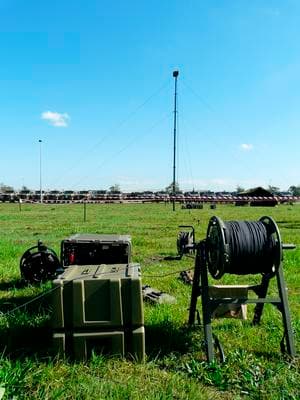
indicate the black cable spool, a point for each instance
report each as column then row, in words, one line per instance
column 185, row 240
column 39, row 263
column 243, row 247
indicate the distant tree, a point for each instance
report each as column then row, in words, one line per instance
column 169, row 188
column 273, row 189
column 6, row 188
column 115, row 188
column 240, row 189
column 295, row 190
column 25, row 188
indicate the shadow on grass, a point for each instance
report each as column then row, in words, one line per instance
column 30, row 304
column 13, row 284
column 165, row 338
column 172, row 258
column 275, row 356
column 25, row 333
column 24, row 330
column 20, row 342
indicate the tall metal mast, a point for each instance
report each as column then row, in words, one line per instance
column 175, row 75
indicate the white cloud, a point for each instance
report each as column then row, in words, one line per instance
column 246, row 146
column 55, row 118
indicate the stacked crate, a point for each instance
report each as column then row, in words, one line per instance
column 97, row 302
column 99, row 308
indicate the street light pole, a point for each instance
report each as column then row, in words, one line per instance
column 41, row 192
column 175, row 75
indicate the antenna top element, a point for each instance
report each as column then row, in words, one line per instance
column 175, row 74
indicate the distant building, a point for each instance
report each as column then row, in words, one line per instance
column 257, row 197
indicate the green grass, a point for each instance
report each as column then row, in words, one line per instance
column 175, row 366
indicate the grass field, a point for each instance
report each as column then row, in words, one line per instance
column 175, row 367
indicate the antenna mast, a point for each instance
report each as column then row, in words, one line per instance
column 175, row 75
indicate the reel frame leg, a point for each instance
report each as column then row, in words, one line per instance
column 201, row 288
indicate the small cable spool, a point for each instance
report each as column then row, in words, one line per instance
column 185, row 240
column 39, row 263
column 243, row 247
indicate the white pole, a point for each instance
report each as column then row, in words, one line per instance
column 41, row 192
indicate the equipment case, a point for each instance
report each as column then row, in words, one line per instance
column 98, row 304
column 93, row 249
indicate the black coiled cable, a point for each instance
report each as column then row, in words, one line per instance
column 251, row 247
column 242, row 247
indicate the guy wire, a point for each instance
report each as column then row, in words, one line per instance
column 38, row 297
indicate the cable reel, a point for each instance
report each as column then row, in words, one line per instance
column 186, row 240
column 39, row 263
column 243, row 247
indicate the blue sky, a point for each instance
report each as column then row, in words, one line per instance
column 93, row 81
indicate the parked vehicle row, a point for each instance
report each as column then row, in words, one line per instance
column 69, row 196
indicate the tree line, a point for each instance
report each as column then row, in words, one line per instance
column 293, row 190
